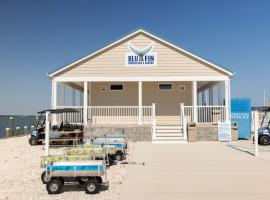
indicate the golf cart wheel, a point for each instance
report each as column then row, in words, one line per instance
column 110, row 160
column 54, row 186
column 91, row 186
column 82, row 180
column 33, row 140
column 264, row 140
column 45, row 179
column 119, row 156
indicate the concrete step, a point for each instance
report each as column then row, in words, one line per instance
column 168, row 127
column 169, row 131
column 169, row 135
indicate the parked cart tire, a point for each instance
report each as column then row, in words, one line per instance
column 119, row 156
column 33, row 140
column 82, row 180
column 45, row 179
column 92, row 186
column 264, row 140
column 54, row 186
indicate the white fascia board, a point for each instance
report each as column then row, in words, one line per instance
column 93, row 54
column 190, row 54
column 231, row 74
column 146, row 79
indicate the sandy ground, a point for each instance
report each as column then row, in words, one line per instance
column 20, row 174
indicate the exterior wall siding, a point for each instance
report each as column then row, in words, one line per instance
column 169, row 62
column 167, row 102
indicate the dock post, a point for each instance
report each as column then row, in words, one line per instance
column 17, row 131
column 7, row 132
column 26, row 131
column 11, row 122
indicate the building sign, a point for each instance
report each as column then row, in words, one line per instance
column 140, row 57
column 224, row 131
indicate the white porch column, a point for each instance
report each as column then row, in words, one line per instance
column 220, row 93
column 140, row 102
column 62, row 94
column 210, row 96
column 54, row 101
column 73, row 98
column 227, row 99
column 54, row 94
column 89, row 93
column 194, row 100
column 85, row 92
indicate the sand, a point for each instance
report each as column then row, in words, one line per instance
column 20, row 174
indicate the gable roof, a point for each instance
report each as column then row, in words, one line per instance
column 141, row 31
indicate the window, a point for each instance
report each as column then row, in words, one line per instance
column 164, row 86
column 116, row 87
column 182, row 88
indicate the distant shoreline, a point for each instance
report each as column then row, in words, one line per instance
column 18, row 115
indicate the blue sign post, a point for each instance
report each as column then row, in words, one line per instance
column 241, row 114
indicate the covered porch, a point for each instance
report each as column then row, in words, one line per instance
column 148, row 102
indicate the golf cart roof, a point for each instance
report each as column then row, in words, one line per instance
column 262, row 108
column 57, row 111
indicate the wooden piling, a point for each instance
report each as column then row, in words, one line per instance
column 7, row 132
column 11, row 123
column 26, row 131
column 17, row 131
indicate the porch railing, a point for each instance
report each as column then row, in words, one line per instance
column 72, row 118
column 119, row 114
column 206, row 114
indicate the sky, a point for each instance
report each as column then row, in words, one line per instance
column 37, row 37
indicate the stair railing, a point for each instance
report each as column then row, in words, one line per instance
column 183, row 120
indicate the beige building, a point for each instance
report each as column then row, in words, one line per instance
column 143, row 80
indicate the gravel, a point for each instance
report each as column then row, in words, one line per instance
column 20, row 174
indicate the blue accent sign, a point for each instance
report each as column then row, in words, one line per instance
column 241, row 114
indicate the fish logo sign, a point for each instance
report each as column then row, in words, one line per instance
column 141, row 57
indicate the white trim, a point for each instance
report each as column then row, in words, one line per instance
column 227, row 99
column 165, row 90
column 194, row 101
column 63, row 95
column 149, row 34
column 117, row 90
column 135, row 79
column 140, row 102
column 54, row 96
column 85, row 101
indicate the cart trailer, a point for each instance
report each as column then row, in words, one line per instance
column 112, row 138
column 90, row 174
column 120, row 147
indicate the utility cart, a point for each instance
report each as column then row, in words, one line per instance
column 86, row 170
column 105, row 150
column 58, row 170
column 118, row 141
